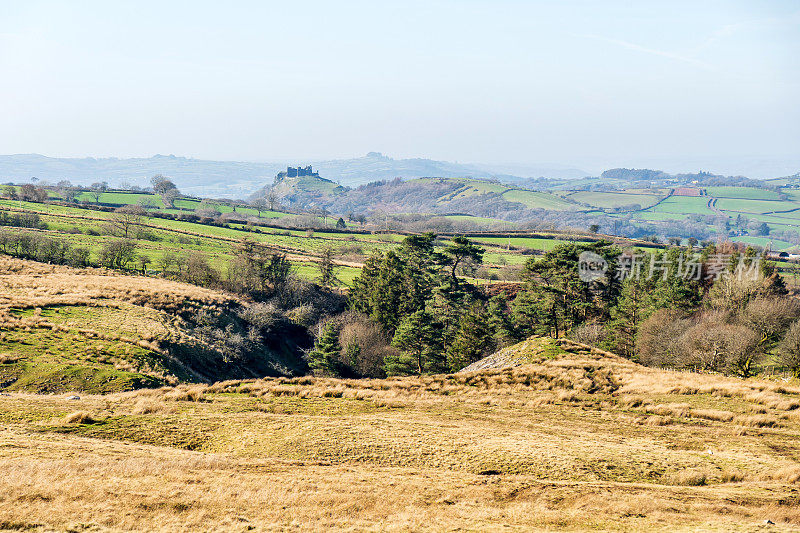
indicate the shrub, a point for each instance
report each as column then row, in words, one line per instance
column 657, row 342
column 365, row 345
column 118, row 253
column 768, row 317
column 591, row 333
column 264, row 316
column 789, row 349
column 714, row 345
column 78, row 257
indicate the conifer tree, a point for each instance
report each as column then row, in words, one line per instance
column 500, row 320
column 472, row 340
column 419, row 341
column 327, row 269
column 461, row 251
column 324, row 357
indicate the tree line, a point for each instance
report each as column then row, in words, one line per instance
column 416, row 310
column 428, row 317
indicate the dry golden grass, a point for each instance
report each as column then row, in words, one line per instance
column 7, row 358
column 577, row 439
column 29, row 284
column 73, row 481
column 79, row 417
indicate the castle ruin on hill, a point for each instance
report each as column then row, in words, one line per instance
column 298, row 172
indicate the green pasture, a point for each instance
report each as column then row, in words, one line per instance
column 614, row 199
column 538, row 200
column 683, row 205
column 754, row 206
column 748, row 193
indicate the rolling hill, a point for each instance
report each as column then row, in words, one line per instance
column 92, row 330
column 238, row 179
column 571, row 438
column 482, row 198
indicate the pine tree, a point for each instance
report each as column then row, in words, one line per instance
column 461, row 251
column 557, row 299
column 418, row 338
column 327, row 269
column 472, row 341
column 627, row 316
column 500, row 320
column 324, row 357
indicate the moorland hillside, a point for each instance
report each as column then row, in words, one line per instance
column 573, row 439
column 96, row 330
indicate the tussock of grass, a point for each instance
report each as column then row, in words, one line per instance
column 732, row 476
column 756, row 421
column 79, row 417
column 672, row 409
column 655, row 420
column 689, row 477
column 712, row 414
column 148, row 406
column 187, row 394
column 789, row 474
column 8, row 359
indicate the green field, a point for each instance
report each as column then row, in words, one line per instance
column 537, row 200
column 480, row 187
column 480, row 220
column 91, row 229
column 683, row 205
column 749, row 193
column 766, row 242
column 522, row 242
column 530, row 199
column 754, row 206
column 614, row 199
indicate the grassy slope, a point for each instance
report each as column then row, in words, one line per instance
column 742, row 192
column 216, row 243
column 575, row 439
column 614, row 199
column 65, row 329
column 537, row 200
column 755, row 206
column 531, row 199
column 683, row 205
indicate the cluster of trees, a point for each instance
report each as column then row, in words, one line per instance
column 21, row 220
column 724, row 309
column 731, row 314
column 38, row 247
column 27, row 192
column 412, row 312
column 741, row 325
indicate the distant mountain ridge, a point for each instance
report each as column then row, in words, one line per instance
column 194, row 176
column 238, row 179
column 375, row 166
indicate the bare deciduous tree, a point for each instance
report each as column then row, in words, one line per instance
column 127, row 220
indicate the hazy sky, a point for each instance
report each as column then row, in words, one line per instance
column 472, row 81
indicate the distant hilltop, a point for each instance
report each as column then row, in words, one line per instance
column 238, row 179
